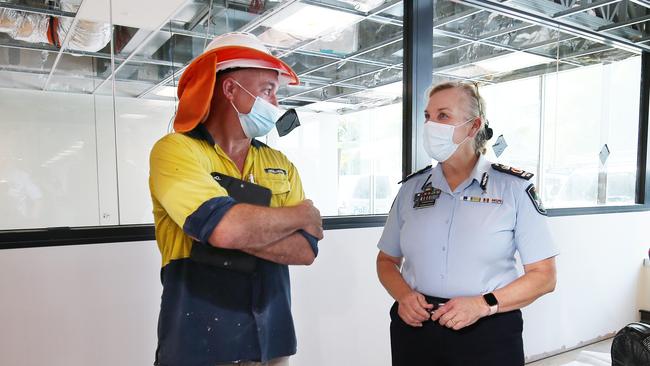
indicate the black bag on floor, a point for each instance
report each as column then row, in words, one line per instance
column 631, row 346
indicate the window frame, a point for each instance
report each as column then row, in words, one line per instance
column 417, row 77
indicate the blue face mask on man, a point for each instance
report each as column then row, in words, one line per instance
column 262, row 117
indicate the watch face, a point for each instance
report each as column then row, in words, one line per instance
column 490, row 299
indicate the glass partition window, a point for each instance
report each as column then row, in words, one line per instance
column 563, row 105
column 81, row 112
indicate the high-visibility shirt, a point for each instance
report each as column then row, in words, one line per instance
column 209, row 314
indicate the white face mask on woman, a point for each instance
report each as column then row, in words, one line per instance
column 439, row 139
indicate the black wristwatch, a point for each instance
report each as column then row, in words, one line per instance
column 492, row 302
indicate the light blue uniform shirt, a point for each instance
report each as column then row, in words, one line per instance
column 458, row 247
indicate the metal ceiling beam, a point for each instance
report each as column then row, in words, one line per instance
column 486, row 37
column 163, row 82
column 375, row 11
column 589, row 52
column 98, row 55
column 199, row 17
column 35, row 10
column 337, row 83
column 376, row 15
column 261, row 19
column 561, row 24
column 456, row 17
column 493, row 44
column 625, row 23
column 137, row 38
column 288, row 49
column 247, row 28
column 644, row 3
column 355, row 55
column 64, row 45
column 582, row 8
column 137, row 49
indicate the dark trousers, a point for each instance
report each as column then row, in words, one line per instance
column 491, row 341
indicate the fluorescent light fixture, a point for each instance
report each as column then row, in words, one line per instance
column 309, row 21
column 500, row 64
column 512, row 61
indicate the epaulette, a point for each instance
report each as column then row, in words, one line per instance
column 512, row 171
column 414, row 174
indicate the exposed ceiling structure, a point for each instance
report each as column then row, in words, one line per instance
column 348, row 53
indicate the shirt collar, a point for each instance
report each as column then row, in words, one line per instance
column 482, row 166
column 200, row 132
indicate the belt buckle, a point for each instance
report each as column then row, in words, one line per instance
column 435, row 307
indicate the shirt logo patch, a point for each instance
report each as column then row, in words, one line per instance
column 275, row 171
column 537, row 202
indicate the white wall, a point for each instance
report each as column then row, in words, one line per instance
column 97, row 304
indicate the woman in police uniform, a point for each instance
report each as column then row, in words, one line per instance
column 454, row 230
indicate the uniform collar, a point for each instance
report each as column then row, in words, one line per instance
column 482, row 166
column 200, row 132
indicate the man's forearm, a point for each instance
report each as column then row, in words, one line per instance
column 250, row 226
column 293, row 249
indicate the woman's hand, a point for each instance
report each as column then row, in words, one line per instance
column 460, row 312
column 413, row 309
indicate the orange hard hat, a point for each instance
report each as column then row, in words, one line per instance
column 230, row 50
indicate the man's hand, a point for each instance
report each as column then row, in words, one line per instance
column 460, row 312
column 313, row 223
column 413, row 309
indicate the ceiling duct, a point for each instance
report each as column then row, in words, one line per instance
column 41, row 28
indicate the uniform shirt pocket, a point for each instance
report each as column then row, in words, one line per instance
column 280, row 189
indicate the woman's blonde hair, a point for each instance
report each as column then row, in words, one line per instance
column 475, row 107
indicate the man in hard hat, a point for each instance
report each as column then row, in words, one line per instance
column 230, row 213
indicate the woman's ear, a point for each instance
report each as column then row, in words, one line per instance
column 476, row 126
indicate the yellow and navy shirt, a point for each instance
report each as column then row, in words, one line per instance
column 209, row 314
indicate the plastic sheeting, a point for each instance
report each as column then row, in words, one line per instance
column 86, row 36
column 631, row 346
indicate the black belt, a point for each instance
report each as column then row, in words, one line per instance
column 435, row 301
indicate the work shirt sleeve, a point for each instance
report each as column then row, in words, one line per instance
column 532, row 236
column 389, row 242
column 296, row 193
column 185, row 188
column 295, row 196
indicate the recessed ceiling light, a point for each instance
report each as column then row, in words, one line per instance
column 309, row 21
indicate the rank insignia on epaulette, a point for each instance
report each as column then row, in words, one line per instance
column 414, row 174
column 512, row 171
